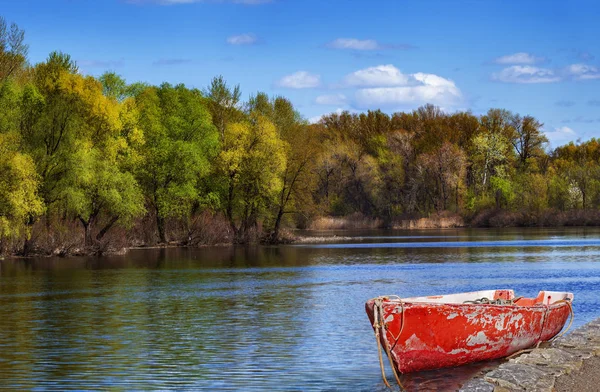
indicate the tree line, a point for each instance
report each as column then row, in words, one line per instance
column 85, row 160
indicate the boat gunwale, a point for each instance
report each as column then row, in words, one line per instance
column 435, row 300
column 468, row 305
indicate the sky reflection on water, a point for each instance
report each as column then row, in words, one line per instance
column 262, row 318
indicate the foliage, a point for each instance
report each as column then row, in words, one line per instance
column 19, row 199
column 180, row 142
column 251, row 163
column 90, row 153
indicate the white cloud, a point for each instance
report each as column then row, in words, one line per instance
column 386, row 86
column 379, row 76
column 396, row 96
column 583, row 72
column 333, row 99
column 242, row 39
column 300, row 79
column 525, row 74
column 519, row 58
column 560, row 135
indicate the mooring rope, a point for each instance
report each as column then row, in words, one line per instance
column 376, row 327
column 379, row 324
column 572, row 316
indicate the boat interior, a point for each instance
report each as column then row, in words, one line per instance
column 497, row 297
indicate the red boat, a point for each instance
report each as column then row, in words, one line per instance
column 424, row 333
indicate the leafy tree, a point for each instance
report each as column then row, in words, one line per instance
column 114, row 86
column 504, row 192
column 180, row 142
column 223, row 103
column 531, row 191
column 489, row 156
column 77, row 139
column 99, row 187
column 251, row 162
column 19, row 199
column 300, row 151
column 580, row 165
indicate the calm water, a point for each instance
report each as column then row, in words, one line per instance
column 264, row 318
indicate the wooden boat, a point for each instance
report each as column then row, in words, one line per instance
column 424, row 333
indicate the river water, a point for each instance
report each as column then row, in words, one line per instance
column 287, row 318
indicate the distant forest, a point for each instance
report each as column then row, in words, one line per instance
column 93, row 164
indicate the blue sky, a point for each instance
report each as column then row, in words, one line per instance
column 532, row 57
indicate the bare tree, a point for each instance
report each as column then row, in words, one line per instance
column 527, row 138
column 13, row 50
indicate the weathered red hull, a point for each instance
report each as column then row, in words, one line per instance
column 437, row 334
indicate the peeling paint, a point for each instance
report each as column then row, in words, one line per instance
column 440, row 334
column 479, row 338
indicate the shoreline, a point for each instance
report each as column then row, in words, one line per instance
column 571, row 363
column 296, row 237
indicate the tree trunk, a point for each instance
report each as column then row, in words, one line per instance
column 229, row 209
column 87, row 227
column 160, row 224
column 27, row 245
column 106, row 228
column 275, row 234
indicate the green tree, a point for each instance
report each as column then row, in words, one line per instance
column 53, row 118
column 98, row 187
column 114, row 86
column 223, row 103
column 489, row 154
column 180, row 142
column 579, row 164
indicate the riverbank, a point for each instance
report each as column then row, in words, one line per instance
column 122, row 245
column 571, row 363
column 489, row 218
column 444, row 220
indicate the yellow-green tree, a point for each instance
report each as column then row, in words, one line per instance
column 99, row 188
column 251, row 164
column 297, row 174
column 80, row 145
column 19, row 199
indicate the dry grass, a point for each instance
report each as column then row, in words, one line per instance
column 350, row 222
column 445, row 220
column 547, row 218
